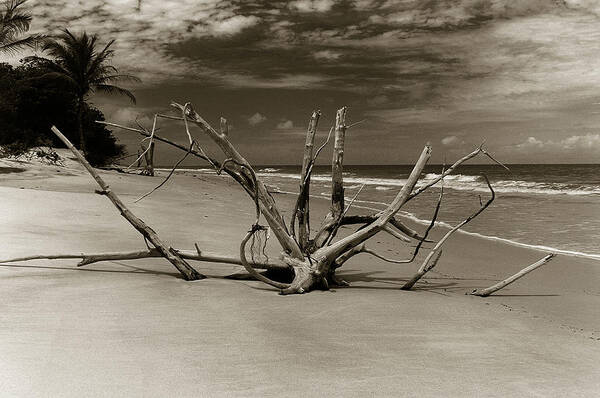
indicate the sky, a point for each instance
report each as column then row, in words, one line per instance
column 521, row 75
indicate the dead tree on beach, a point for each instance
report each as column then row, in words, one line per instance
column 311, row 260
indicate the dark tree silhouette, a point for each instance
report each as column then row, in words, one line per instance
column 77, row 59
column 30, row 102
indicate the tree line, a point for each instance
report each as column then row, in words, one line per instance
column 55, row 88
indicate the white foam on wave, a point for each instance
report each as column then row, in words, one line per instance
column 453, row 177
column 418, row 220
column 477, row 183
column 508, row 241
column 462, row 182
column 498, row 186
column 186, row 170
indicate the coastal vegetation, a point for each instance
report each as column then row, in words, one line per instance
column 43, row 91
column 76, row 58
column 30, row 101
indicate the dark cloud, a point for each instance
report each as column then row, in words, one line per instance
column 418, row 70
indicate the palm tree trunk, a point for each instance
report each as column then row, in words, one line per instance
column 80, row 106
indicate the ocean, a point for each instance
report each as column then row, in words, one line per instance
column 554, row 207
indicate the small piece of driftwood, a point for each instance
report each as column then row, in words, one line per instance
column 502, row 284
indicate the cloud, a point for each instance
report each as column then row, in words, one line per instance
column 419, row 15
column 311, row 5
column 497, row 69
column 285, row 125
column 378, row 100
column 143, row 36
column 591, row 6
column 127, row 116
column 327, row 55
column 364, row 4
column 449, row 140
column 583, row 143
column 233, row 25
column 297, row 81
column 531, row 142
column 402, row 41
column 589, row 141
column 257, row 118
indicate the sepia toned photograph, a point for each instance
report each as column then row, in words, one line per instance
column 307, row 198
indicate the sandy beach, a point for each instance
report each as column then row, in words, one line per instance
column 136, row 328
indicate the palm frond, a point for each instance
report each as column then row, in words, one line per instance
column 111, row 89
column 13, row 23
column 98, row 67
column 77, row 56
column 53, row 69
column 117, row 77
column 16, row 23
column 14, row 46
column 106, row 70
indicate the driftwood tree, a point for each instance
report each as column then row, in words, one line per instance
column 144, row 161
column 311, row 260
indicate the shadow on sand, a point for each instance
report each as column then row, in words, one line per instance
column 132, row 269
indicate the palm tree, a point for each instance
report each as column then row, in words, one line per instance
column 77, row 59
column 13, row 23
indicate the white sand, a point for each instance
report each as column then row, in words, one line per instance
column 136, row 329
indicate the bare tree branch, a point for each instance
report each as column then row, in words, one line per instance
column 197, row 255
column 305, row 182
column 303, row 211
column 358, row 237
column 337, row 181
column 268, row 206
column 183, row 267
column 502, row 284
column 166, row 178
column 436, row 252
column 248, row 266
column 337, row 225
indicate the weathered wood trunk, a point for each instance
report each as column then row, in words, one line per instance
column 337, row 182
column 304, row 195
column 149, row 157
column 80, row 109
column 182, row 266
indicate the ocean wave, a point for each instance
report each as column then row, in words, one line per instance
column 360, row 204
column 463, row 182
column 505, row 240
column 543, row 248
column 347, row 179
column 186, row 170
column 453, row 177
column 269, row 170
column 477, row 183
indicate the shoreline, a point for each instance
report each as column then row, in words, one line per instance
column 412, row 217
column 135, row 327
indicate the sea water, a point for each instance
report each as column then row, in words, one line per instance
column 556, row 207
